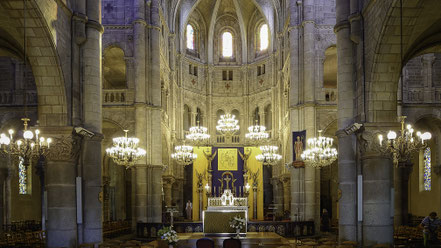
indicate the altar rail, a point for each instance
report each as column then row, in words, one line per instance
column 283, row 228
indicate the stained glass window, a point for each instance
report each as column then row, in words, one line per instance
column 190, row 37
column 427, row 169
column 227, row 44
column 264, row 41
column 22, row 178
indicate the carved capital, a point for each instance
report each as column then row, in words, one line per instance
column 367, row 138
column 168, row 180
column 65, row 144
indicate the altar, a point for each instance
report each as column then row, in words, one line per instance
column 220, row 210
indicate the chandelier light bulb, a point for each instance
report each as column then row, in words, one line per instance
column 391, row 135
column 28, row 134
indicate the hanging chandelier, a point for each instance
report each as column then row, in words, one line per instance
column 198, row 134
column 227, row 124
column 402, row 147
column 184, row 155
column 30, row 146
column 125, row 150
column 256, row 133
column 320, row 152
column 269, row 155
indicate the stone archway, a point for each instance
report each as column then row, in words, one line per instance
column 41, row 54
column 383, row 62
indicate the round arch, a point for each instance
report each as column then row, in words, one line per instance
column 42, row 56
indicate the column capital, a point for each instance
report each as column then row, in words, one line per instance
column 65, row 146
column 368, row 139
column 168, row 180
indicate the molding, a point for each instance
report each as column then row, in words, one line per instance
column 95, row 25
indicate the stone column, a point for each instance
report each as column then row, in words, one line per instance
column 286, row 194
column 312, row 211
column 140, row 170
column 92, row 111
column 92, row 190
column 401, row 184
column 377, row 189
column 60, row 184
column 295, row 93
column 154, row 136
column 347, row 170
column 167, row 184
column 3, row 176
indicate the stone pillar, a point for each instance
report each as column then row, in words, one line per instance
column 92, row 112
column 347, row 169
column 154, row 136
column 140, row 170
column 154, row 194
column 377, row 189
column 401, row 184
column 295, row 93
column 286, row 194
column 92, row 191
column 3, row 176
column 60, row 184
column 167, row 184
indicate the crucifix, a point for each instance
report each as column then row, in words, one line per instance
column 227, row 179
column 171, row 210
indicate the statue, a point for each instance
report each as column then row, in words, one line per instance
column 298, row 148
column 188, row 209
column 210, row 157
column 245, row 157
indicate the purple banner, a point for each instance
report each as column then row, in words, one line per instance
column 231, row 179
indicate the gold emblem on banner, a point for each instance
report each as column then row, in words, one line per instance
column 227, row 159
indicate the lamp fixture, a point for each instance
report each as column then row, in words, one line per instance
column 269, row 155
column 198, row 134
column 401, row 147
column 320, row 152
column 256, row 133
column 30, row 146
column 125, row 150
column 184, row 155
column 227, row 124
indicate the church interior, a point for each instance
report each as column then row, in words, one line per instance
column 220, row 123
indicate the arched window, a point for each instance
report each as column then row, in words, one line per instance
column 264, row 37
column 427, row 169
column 24, row 178
column 190, row 37
column 227, row 44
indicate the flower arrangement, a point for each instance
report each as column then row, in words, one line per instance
column 237, row 222
column 168, row 234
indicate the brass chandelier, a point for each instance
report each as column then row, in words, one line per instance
column 320, row 152
column 269, row 155
column 227, row 124
column 402, row 147
column 256, row 133
column 184, row 155
column 31, row 145
column 125, row 150
column 198, row 134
